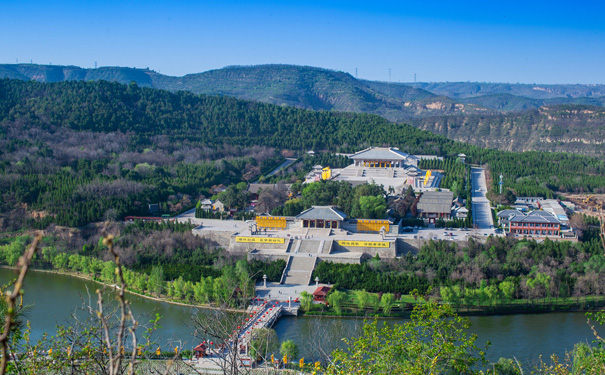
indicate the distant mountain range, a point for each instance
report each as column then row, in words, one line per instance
column 560, row 117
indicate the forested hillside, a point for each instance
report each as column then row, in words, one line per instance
column 563, row 118
column 80, row 151
column 297, row 86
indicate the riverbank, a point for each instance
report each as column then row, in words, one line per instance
column 400, row 309
column 403, row 309
column 141, row 295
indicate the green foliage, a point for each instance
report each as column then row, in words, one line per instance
column 456, row 174
column 236, row 196
column 371, row 207
column 289, row 349
column 336, row 299
column 78, row 189
column 361, row 201
column 362, row 276
column 473, row 274
column 156, row 280
column 306, row 299
column 507, row 366
column 387, row 303
column 273, row 270
column 434, row 341
column 10, row 253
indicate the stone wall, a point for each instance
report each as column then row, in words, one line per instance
column 222, row 239
column 267, row 257
column 244, row 247
column 334, row 259
column 405, row 246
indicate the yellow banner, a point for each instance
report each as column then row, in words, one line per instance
column 426, row 178
column 372, row 225
column 364, row 243
column 270, row 221
column 260, row 239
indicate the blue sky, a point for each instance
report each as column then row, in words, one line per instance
column 487, row 41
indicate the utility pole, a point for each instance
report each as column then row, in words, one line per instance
column 389, row 75
column 355, row 72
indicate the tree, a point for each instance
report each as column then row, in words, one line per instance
column 508, row 289
column 387, row 303
column 156, row 280
column 306, row 299
column 269, row 198
column 372, row 207
column 289, row 349
column 362, row 298
column 434, row 341
column 335, row 300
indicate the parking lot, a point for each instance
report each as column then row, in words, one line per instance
column 448, row 234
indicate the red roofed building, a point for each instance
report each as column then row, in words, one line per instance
column 201, row 350
column 320, row 293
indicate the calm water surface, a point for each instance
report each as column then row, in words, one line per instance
column 54, row 298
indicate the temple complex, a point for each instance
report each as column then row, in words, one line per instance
column 387, row 166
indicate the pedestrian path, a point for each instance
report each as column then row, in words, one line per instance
column 482, row 214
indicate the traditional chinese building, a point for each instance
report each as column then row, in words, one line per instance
column 320, row 293
column 435, row 205
column 383, row 157
column 536, row 223
column 321, row 217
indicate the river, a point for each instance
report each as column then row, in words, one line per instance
column 54, row 298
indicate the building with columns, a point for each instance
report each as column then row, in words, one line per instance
column 321, row 217
column 387, row 166
column 383, row 157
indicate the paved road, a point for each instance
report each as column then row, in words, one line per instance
column 285, row 164
column 482, row 215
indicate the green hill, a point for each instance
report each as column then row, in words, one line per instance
column 506, row 116
column 297, row 86
column 84, row 151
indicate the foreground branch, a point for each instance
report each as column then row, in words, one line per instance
column 11, row 298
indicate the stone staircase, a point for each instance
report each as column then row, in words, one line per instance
column 296, row 246
column 299, row 270
column 326, row 247
column 309, row 247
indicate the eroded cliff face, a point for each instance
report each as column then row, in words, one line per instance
column 549, row 128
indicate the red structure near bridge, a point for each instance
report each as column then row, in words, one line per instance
column 320, row 293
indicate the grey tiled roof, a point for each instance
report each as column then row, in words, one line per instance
column 535, row 217
column 380, row 153
column 508, row 213
column 436, row 202
column 322, row 213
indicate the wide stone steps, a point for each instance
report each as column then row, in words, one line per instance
column 299, row 270
column 309, row 247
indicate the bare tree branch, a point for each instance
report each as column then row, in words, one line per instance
column 11, row 298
